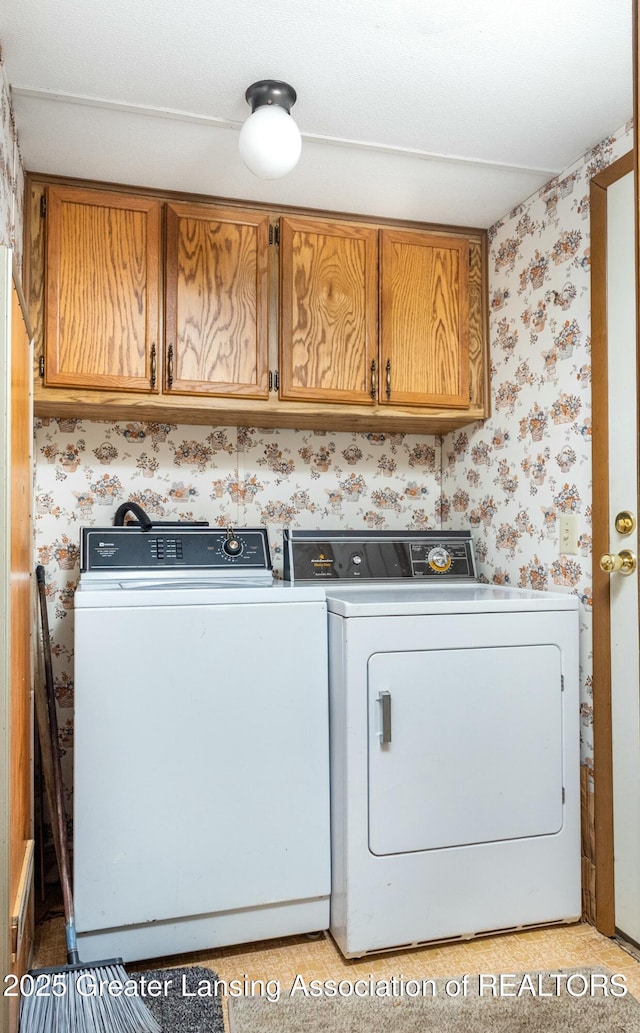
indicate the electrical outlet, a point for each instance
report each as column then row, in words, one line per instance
column 568, row 534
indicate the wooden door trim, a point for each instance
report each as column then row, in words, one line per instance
column 602, row 732
column 5, row 628
column 17, row 283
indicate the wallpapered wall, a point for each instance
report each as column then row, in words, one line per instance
column 509, row 478
column 512, row 477
column 11, row 174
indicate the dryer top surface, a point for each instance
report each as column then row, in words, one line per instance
column 415, row 599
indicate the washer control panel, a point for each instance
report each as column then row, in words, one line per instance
column 378, row 556
column 203, row 549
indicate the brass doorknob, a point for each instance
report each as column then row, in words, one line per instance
column 623, row 563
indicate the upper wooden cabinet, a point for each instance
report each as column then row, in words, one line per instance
column 334, row 279
column 424, row 319
column 328, row 310
column 216, row 334
column 226, row 314
column 103, row 290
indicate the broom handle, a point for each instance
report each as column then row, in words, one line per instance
column 63, row 859
column 46, row 762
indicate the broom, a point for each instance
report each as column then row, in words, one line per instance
column 81, row 997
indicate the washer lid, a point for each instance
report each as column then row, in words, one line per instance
column 133, row 595
column 412, row 599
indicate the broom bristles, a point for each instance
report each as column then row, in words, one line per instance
column 71, row 1007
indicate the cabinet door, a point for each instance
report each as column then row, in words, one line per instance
column 103, row 287
column 328, row 311
column 217, row 310
column 424, row 316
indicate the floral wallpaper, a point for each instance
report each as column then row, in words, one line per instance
column 509, row 479
column 11, row 174
column 513, row 476
column 238, row 476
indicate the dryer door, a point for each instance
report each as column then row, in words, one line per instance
column 475, row 750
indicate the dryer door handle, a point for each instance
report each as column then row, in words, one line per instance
column 384, row 699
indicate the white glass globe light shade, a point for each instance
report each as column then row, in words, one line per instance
column 270, row 142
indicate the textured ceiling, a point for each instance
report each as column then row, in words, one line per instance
column 449, row 111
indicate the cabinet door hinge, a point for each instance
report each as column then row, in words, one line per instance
column 274, row 235
column 41, row 365
column 43, row 206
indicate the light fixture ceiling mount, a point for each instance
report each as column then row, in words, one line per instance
column 271, row 91
column 270, row 142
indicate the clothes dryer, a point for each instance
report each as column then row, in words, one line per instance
column 454, row 730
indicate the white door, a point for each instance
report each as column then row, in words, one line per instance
column 465, row 746
column 623, row 493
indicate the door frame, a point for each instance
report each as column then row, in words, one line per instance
column 602, row 726
column 5, row 624
column 10, row 801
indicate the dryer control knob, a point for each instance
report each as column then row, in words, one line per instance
column 439, row 559
column 232, row 546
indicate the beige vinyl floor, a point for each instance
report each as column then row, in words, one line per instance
column 559, row 947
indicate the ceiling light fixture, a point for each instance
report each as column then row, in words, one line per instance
column 270, row 142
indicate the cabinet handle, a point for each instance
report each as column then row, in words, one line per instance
column 384, row 699
column 270, row 380
column 170, row 366
column 153, row 365
column 388, row 372
column 374, row 380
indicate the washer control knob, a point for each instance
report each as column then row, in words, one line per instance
column 232, row 546
column 439, row 559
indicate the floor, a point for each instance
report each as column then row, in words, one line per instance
column 559, row 947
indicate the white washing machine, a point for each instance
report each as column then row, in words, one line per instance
column 454, row 728
column 201, row 803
